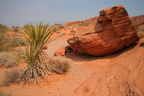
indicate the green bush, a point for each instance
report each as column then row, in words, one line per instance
column 8, row 59
column 11, row 76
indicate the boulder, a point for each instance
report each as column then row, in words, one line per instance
column 112, row 32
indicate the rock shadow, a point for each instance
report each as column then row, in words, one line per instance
column 79, row 57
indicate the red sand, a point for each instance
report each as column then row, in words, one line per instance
column 82, row 68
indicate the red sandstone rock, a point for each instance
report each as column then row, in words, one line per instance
column 112, row 32
column 62, row 51
column 44, row 47
column 137, row 19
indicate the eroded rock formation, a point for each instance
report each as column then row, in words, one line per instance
column 112, row 32
column 123, row 76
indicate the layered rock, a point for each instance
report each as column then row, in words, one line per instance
column 112, row 32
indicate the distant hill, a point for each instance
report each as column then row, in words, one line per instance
column 137, row 19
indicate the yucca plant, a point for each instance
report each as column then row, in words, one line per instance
column 38, row 61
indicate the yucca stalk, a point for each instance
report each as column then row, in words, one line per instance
column 38, row 61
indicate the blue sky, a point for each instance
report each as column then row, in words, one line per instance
column 21, row 12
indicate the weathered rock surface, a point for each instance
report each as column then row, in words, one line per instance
column 112, row 32
column 123, row 76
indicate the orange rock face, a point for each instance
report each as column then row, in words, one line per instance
column 112, row 32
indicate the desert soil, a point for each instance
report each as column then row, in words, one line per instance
column 82, row 68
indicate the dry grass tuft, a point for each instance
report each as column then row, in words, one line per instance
column 11, row 76
column 8, row 59
column 60, row 67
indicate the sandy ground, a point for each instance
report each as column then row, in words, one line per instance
column 82, row 68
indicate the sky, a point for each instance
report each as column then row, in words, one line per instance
column 21, row 12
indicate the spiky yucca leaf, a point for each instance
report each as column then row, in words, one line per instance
column 38, row 61
column 38, row 35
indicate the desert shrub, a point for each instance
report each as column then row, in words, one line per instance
column 7, row 40
column 71, row 33
column 69, row 25
column 37, row 36
column 60, row 67
column 57, row 27
column 27, row 25
column 11, row 76
column 4, row 94
column 83, row 24
column 15, row 28
column 8, row 59
column 3, row 29
column 60, row 26
column 135, row 23
column 14, row 42
column 57, row 32
column 62, row 34
column 4, row 39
